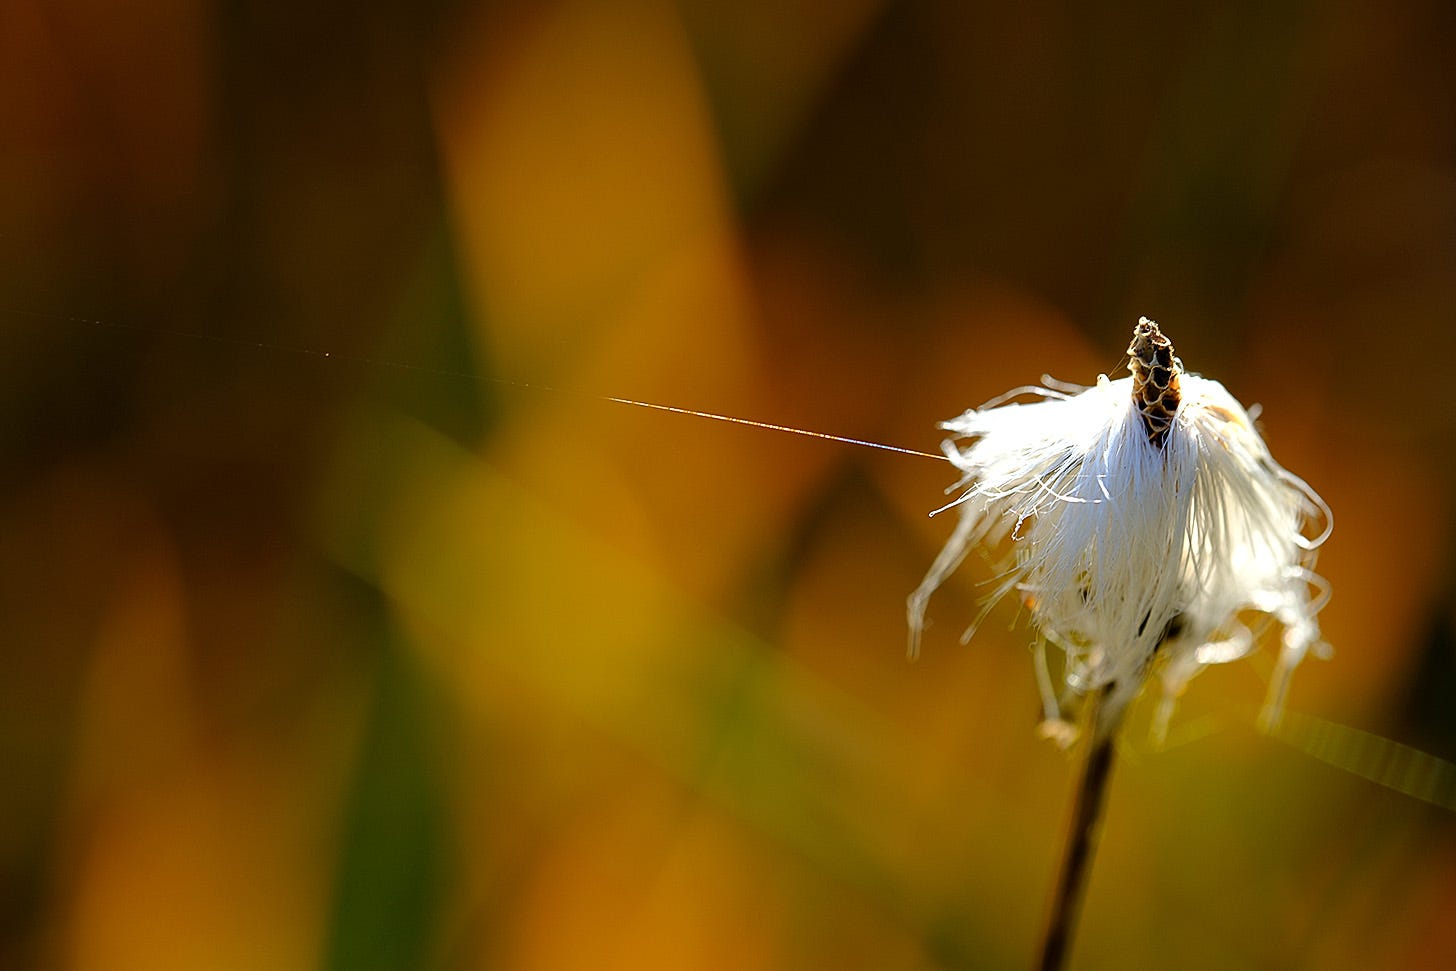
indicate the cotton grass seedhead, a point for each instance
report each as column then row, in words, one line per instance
column 1147, row 527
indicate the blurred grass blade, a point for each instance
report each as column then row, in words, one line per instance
column 392, row 872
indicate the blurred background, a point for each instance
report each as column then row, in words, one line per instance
column 344, row 627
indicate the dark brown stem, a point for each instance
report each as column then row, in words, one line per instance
column 1082, row 839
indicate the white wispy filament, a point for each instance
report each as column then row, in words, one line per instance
column 1140, row 549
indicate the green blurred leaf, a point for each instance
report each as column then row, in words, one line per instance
column 393, row 868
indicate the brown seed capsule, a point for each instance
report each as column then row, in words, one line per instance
column 1155, row 374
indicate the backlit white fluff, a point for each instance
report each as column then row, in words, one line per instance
column 1123, row 549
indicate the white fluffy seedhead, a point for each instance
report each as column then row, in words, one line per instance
column 1145, row 519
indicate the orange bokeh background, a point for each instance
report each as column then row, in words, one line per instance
column 349, row 626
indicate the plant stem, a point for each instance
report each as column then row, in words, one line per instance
column 1082, row 838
